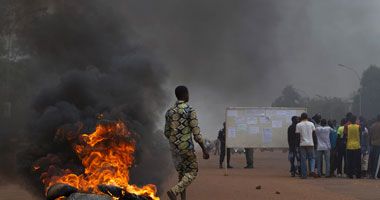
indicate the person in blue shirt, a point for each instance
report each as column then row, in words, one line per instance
column 333, row 151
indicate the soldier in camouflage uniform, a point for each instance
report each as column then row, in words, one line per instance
column 181, row 124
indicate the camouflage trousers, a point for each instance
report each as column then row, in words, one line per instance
column 187, row 168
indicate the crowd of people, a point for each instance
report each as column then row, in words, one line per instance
column 323, row 148
column 350, row 150
column 310, row 140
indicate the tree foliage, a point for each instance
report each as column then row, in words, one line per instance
column 289, row 98
column 370, row 92
column 329, row 107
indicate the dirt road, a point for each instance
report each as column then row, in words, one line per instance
column 270, row 172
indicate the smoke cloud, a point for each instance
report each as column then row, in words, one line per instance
column 81, row 53
column 244, row 53
column 233, row 53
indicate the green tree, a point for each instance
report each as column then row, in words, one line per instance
column 289, row 98
column 370, row 92
column 329, row 107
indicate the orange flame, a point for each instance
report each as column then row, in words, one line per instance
column 107, row 155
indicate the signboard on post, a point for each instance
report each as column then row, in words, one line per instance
column 259, row 127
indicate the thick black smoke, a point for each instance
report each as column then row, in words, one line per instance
column 235, row 53
column 84, row 66
column 225, row 50
column 243, row 53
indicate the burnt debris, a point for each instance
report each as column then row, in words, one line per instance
column 120, row 193
column 60, row 190
column 110, row 192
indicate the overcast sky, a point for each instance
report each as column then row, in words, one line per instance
column 243, row 53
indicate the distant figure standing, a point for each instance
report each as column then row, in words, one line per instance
column 324, row 146
column 348, row 122
column 308, row 141
column 348, row 118
column 353, row 149
column 374, row 132
column 341, row 149
column 222, row 139
column 294, row 148
column 180, row 128
column 316, row 119
column 364, row 143
column 333, row 151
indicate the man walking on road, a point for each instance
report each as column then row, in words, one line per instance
column 180, row 128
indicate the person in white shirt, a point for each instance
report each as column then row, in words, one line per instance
column 306, row 132
column 323, row 147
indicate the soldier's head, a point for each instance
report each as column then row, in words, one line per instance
column 182, row 93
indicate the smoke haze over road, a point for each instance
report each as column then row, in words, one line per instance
column 244, row 53
column 228, row 53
